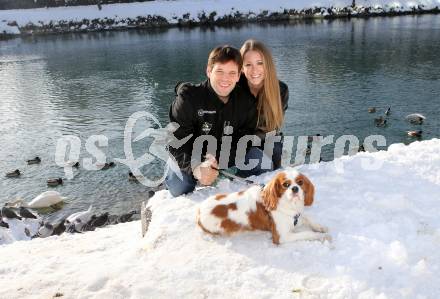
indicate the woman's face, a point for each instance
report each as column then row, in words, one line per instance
column 253, row 68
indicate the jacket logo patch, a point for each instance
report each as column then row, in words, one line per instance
column 200, row 112
column 206, row 127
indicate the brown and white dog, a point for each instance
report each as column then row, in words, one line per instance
column 277, row 207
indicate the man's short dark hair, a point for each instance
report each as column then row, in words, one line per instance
column 224, row 54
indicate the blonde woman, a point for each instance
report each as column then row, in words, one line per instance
column 271, row 95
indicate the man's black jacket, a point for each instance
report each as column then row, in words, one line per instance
column 199, row 111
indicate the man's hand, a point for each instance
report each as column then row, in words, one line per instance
column 206, row 173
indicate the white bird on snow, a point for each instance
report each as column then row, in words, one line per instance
column 76, row 221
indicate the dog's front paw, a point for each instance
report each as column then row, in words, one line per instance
column 326, row 237
column 320, row 228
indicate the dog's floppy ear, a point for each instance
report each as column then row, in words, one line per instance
column 273, row 191
column 307, row 187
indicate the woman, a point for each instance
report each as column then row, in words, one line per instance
column 271, row 95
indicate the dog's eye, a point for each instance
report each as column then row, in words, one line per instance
column 300, row 182
column 286, row 184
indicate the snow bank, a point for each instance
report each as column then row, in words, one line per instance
column 5, row 28
column 384, row 223
column 167, row 13
column 427, row 4
column 168, row 9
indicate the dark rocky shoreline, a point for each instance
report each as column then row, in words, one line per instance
column 208, row 20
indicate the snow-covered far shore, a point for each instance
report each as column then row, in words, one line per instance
column 384, row 224
column 189, row 12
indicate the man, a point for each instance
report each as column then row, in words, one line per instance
column 218, row 108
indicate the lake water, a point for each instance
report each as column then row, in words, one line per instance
column 89, row 84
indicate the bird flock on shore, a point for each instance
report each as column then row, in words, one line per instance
column 20, row 223
column 20, row 220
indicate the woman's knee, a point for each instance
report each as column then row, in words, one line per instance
column 180, row 185
column 263, row 163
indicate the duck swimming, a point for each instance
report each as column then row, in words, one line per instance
column 415, row 118
column 54, row 182
column 132, row 177
column 36, row 160
column 388, row 111
column 380, row 122
column 371, row 109
column 415, row 133
column 108, row 165
column 13, row 174
column 72, row 164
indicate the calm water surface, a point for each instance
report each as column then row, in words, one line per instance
column 89, row 84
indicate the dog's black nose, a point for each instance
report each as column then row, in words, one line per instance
column 295, row 189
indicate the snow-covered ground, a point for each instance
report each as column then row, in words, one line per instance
column 172, row 11
column 384, row 223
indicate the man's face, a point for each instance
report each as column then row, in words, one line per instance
column 223, row 77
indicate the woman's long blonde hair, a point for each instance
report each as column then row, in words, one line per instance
column 270, row 112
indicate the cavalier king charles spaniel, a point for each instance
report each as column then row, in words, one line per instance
column 276, row 207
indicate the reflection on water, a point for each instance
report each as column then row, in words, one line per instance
column 89, row 84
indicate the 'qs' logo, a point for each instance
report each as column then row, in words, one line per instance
column 163, row 139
